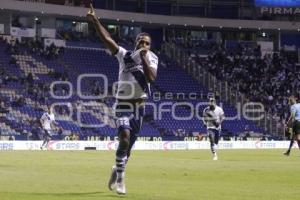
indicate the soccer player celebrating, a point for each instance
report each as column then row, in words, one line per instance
column 213, row 116
column 294, row 123
column 47, row 120
column 136, row 70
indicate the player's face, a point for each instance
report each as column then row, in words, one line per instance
column 143, row 42
column 291, row 101
column 212, row 103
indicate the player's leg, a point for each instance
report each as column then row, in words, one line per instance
column 287, row 153
column 211, row 140
column 48, row 138
column 45, row 139
column 297, row 133
column 136, row 125
column 132, row 140
column 124, row 129
column 118, row 170
column 217, row 137
column 298, row 140
column 44, row 142
column 216, row 140
column 211, row 136
column 114, row 176
column 121, row 157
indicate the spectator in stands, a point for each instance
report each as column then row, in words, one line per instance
column 265, row 80
column 1, row 75
column 3, row 108
column 29, row 78
column 6, row 78
column 34, row 47
column 20, row 101
column 12, row 61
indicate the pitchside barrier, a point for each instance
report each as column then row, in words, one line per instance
column 141, row 145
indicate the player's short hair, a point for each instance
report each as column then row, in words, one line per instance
column 212, row 99
column 142, row 34
column 293, row 98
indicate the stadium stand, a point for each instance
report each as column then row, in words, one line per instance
column 29, row 69
column 38, row 71
column 267, row 79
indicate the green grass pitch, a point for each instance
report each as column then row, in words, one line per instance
column 151, row 175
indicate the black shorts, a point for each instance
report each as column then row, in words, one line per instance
column 47, row 134
column 215, row 134
column 296, row 127
column 130, row 117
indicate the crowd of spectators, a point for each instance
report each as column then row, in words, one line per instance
column 3, row 108
column 36, row 89
column 35, row 47
column 270, row 79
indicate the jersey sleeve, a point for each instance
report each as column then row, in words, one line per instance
column 204, row 116
column 43, row 117
column 153, row 61
column 222, row 112
column 53, row 117
column 120, row 53
column 293, row 109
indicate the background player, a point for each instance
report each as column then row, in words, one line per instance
column 136, row 70
column 213, row 116
column 294, row 123
column 47, row 121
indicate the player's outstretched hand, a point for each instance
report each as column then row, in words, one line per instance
column 91, row 13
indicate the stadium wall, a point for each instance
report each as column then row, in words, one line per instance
column 70, row 11
column 142, row 145
column 5, row 20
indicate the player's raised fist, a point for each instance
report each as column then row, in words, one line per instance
column 91, row 13
column 143, row 52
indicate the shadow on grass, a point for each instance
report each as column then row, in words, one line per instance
column 96, row 194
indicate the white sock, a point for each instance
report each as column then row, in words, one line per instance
column 120, row 164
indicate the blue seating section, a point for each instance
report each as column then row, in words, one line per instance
column 75, row 62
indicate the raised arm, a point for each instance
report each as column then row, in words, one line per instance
column 102, row 32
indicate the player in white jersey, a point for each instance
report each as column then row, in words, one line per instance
column 213, row 117
column 293, row 123
column 47, row 121
column 136, row 70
